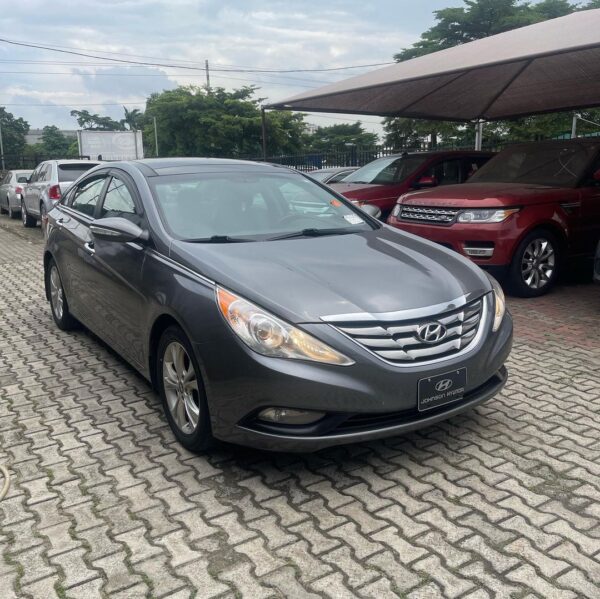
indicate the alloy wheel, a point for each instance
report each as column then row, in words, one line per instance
column 56, row 293
column 538, row 263
column 181, row 387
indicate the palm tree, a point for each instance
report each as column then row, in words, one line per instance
column 133, row 119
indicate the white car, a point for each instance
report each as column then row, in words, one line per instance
column 12, row 187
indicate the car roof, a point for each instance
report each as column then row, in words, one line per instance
column 153, row 167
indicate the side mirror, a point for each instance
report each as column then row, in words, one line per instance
column 371, row 210
column 426, row 181
column 117, row 229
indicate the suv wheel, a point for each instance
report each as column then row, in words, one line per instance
column 28, row 221
column 58, row 299
column 534, row 267
column 44, row 220
column 182, row 391
column 11, row 211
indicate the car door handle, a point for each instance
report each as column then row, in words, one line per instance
column 89, row 247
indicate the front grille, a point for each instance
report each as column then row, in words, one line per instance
column 399, row 342
column 428, row 214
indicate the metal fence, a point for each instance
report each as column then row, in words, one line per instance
column 353, row 155
column 10, row 162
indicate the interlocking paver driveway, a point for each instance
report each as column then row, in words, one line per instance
column 503, row 501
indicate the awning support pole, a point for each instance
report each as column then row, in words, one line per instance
column 574, row 126
column 478, row 134
column 263, row 117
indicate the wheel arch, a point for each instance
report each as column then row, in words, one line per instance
column 552, row 227
column 161, row 323
column 47, row 257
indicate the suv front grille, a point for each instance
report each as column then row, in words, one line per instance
column 428, row 214
column 400, row 342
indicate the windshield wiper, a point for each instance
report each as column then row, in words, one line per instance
column 218, row 239
column 314, row 233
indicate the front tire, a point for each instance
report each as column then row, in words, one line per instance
column 28, row 221
column 58, row 299
column 182, row 391
column 534, row 267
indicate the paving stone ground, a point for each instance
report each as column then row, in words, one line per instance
column 503, row 501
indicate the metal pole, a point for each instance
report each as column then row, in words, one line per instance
column 207, row 75
column 478, row 135
column 155, row 138
column 263, row 117
column 1, row 147
column 574, row 126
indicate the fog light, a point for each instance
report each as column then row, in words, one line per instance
column 289, row 416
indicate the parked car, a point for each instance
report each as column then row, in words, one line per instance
column 47, row 183
column 263, row 320
column 597, row 264
column 331, row 175
column 11, row 191
column 384, row 180
column 520, row 216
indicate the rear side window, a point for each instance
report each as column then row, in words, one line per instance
column 118, row 202
column 70, row 172
column 85, row 198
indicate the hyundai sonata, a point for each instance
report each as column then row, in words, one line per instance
column 266, row 309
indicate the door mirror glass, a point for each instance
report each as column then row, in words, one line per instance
column 117, row 229
column 426, row 181
column 371, row 210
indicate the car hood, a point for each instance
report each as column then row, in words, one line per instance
column 304, row 279
column 486, row 195
column 366, row 191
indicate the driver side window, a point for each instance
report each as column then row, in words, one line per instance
column 85, row 197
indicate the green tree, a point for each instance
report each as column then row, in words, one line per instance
column 193, row 121
column 13, row 133
column 54, row 143
column 134, row 119
column 86, row 120
column 333, row 136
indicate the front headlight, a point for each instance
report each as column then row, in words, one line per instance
column 485, row 215
column 268, row 335
column 499, row 303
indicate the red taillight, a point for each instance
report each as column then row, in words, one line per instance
column 18, row 189
column 54, row 192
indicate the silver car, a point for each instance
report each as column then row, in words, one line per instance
column 47, row 184
column 11, row 191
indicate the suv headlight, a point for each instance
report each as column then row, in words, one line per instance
column 270, row 336
column 499, row 303
column 485, row 215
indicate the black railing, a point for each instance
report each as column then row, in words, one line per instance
column 354, row 155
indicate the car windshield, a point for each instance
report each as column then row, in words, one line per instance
column 385, row 171
column 70, row 172
column 554, row 165
column 231, row 206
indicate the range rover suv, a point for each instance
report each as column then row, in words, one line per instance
column 521, row 216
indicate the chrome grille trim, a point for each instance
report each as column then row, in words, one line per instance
column 428, row 214
column 397, row 343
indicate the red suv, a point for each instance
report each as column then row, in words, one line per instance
column 382, row 181
column 528, row 208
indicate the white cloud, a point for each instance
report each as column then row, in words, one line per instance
column 260, row 33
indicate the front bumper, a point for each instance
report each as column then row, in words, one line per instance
column 497, row 241
column 368, row 400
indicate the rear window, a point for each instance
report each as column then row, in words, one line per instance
column 70, row 172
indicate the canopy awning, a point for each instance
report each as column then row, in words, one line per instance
column 546, row 67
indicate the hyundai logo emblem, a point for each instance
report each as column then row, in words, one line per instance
column 443, row 385
column 432, row 332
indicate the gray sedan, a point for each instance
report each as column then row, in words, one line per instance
column 266, row 309
column 11, row 191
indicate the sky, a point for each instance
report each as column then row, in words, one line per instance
column 44, row 86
